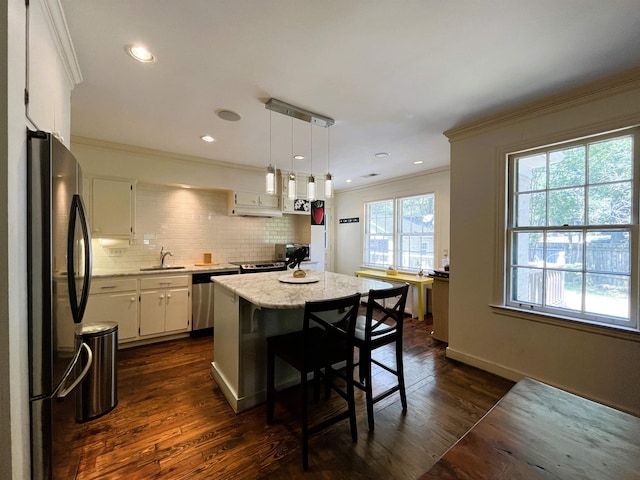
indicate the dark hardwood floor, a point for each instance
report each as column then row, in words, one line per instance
column 172, row 421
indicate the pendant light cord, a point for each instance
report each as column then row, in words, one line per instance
column 311, row 154
column 270, row 136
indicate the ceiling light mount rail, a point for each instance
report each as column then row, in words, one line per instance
column 299, row 113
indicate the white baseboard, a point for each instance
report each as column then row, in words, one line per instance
column 490, row 367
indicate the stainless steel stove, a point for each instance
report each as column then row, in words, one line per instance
column 261, row 266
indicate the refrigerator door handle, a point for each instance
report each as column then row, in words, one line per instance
column 77, row 308
column 61, row 391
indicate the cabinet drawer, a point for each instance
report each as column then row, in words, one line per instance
column 164, row 282
column 110, row 285
column 62, row 287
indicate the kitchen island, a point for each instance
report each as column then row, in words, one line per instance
column 250, row 308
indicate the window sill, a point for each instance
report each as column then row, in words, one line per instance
column 567, row 322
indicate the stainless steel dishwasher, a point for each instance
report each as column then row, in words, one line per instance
column 202, row 300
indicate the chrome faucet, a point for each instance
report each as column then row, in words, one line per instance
column 163, row 255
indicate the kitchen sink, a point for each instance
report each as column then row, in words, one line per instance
column 161, row 267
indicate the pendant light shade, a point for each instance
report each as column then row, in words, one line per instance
column 271, row 171
column 328, row 186
column 311, row 188
column 271, row 180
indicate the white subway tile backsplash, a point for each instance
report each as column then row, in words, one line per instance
column 191, row 222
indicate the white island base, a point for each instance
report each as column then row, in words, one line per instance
column 250, row 308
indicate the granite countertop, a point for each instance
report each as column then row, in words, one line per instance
column 188, row 269
column 267, row 291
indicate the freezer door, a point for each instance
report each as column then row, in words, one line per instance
column 46, row 411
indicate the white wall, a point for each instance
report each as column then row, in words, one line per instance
column 12, row 363
column 594, row 364
column 14, row 404
column 348, row 247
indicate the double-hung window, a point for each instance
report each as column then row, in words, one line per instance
column 399, row 232
column 572, row 236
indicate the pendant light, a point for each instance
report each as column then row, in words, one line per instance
column 292, row 111
column 311, row 186
column 271, row 171
column 291, row 188
column 328, row 179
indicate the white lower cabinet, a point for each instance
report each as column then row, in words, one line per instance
column 164, row 305
column 144, row 307
column 115, row 300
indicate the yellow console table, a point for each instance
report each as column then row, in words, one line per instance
column 420, row 282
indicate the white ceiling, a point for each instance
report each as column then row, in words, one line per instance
column 394, row 74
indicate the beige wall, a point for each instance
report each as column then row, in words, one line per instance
column 591, row 362
column 190, row 222
column 151, row 166
column 200, row 212
column 348, row 246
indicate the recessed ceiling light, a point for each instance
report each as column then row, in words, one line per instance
column 348, row 180
column 299, row 157
column 418, row 162
column 381, row 155
column 140, row 53
column 208, row 138
column 229, row 115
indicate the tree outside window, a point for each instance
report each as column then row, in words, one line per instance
column 400, row 233
column 571, row 230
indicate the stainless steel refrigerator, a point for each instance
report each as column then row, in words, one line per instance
column 59, row 261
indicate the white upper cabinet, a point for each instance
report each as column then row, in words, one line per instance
column 112, row 208
column 52, row 70
column 254, row 204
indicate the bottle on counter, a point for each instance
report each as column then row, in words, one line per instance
column 445, row 261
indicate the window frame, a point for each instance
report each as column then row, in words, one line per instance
column 565, row 315
column 397, row 235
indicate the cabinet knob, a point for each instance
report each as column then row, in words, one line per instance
column 133, row 299
column 168, row 295
column 161, row 296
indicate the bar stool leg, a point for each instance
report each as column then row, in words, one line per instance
column 400, row 370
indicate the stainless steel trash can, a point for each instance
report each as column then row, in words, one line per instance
column 98, row 392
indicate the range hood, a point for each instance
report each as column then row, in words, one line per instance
column 255, row 212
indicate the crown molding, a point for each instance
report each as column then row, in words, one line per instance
column 390, row 181
column 616, row 84
column 54, row 16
